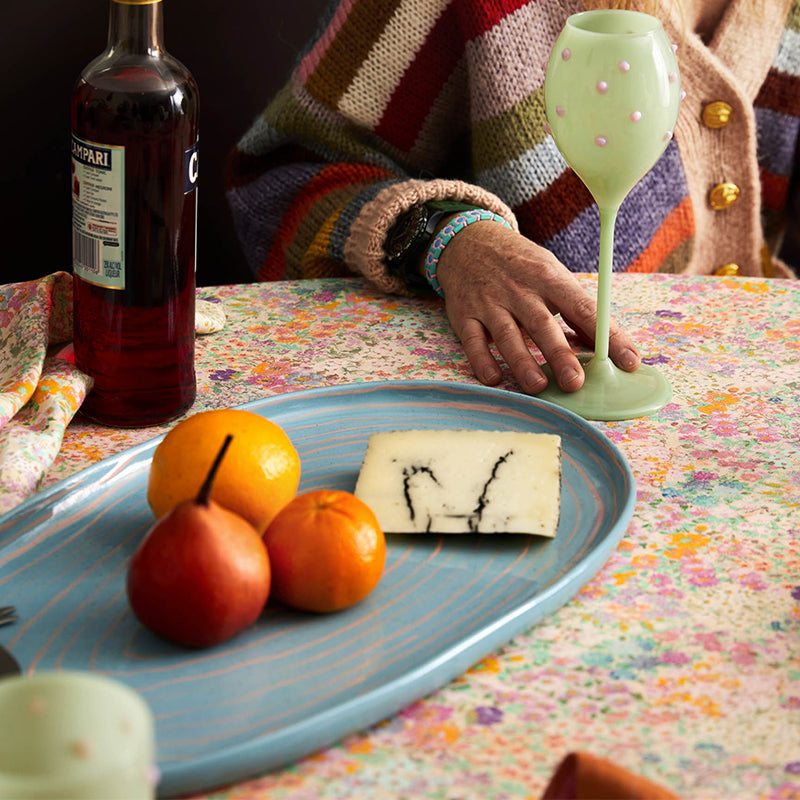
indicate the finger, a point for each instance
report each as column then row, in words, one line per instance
column 510, row 342
column 550, row 339
column 475, row 344
column 622, row 349
column 581, row 314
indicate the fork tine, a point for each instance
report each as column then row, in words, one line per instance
column 8, row 614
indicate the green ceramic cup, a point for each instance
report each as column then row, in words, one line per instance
column 74, row 736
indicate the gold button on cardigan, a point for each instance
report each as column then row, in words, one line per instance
column 723, row 195
column 716, row 114
column 727, row 270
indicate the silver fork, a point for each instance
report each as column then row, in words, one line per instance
column 8, row 614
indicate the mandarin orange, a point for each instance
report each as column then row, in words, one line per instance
column 259, row 475
column 326, row 551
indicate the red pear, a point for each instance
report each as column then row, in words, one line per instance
column 201, row 574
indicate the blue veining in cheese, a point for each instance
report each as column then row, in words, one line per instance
column 465, row 481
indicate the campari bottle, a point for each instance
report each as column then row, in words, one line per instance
column 134, row 221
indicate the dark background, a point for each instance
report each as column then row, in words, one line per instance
column 239, row 51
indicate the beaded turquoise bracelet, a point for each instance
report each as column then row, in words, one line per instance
column 441, row 240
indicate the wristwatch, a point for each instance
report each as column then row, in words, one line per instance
column 411, row 234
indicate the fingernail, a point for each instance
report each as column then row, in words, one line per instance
column 568, row 376
column 490, row 376
column 628, row 359
column 534, row 382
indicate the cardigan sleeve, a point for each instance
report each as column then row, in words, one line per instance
column 374, row 118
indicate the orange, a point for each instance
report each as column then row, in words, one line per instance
column 326, row 551
column 258, row 476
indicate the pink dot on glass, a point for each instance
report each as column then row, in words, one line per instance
column 602, row 87
column 673, row 76
column 37, row 706
column 636, row 116
column 624, row 66
column 683, row 94
column 668, row 136
column 560, row 111
column 565, row 54
column 600, row 141
column 547, row 129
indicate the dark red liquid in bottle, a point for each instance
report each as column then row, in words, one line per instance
column 137, row 342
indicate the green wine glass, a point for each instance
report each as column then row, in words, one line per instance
column 612, row 93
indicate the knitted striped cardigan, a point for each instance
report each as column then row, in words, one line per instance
column 399, row 101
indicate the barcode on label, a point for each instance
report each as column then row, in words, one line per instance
column 87, row 252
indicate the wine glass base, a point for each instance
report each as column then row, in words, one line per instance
column 609, row 393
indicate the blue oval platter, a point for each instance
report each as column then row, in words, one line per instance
column 294, row 683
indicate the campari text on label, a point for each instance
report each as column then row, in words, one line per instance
column 93, row 156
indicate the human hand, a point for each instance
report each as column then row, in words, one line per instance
column 499, row 285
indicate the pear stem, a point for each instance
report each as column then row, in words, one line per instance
column 204, row 494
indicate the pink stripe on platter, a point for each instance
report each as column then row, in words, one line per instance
column 488, row 408
column 29, row 622
column 48, row 530
column 117, row 599
column 108, row 485
column 311, row 61
column 96, row 649
column 261, row 725
column 591, row 539
column 61, row 596
column 75, row 614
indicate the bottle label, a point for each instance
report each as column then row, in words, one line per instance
column 190, row 157
column 98, row 213
column 190, row 164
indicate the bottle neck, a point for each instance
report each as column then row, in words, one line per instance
column 135, row 26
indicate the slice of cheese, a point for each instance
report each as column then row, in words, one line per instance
column 465, row 481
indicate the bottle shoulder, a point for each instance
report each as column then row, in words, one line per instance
column 121, row 71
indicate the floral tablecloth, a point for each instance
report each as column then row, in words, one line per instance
column 680, row 660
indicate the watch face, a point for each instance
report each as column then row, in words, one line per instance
column 405, row 232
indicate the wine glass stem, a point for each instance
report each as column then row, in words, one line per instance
column 608, row 218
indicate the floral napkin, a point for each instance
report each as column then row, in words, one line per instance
column 40, row 392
